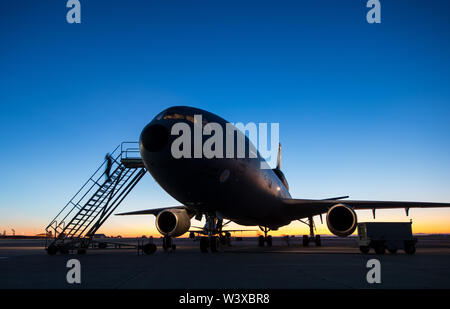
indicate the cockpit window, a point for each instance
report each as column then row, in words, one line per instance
column 178, row 116
column 173, row 116
column 191, row 118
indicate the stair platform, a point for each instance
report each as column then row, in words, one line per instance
column 132, row 162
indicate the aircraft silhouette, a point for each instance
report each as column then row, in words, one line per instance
column 234, row 189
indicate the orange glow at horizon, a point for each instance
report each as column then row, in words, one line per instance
column 427, row 221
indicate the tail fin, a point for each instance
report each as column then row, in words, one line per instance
column 279, row 157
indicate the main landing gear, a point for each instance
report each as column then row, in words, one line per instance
column 311, row 238
column 216, row 238
column 209, row 243
column 266, row 239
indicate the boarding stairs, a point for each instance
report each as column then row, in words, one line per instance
column 75, row 225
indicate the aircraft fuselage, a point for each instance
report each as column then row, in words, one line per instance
column 234, row 188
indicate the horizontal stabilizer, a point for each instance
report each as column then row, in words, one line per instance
column 335, row 198
column 279, row 157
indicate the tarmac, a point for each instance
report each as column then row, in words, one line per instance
column 338, row 264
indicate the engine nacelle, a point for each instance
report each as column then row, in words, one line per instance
column 341, row 220
column 173, row 222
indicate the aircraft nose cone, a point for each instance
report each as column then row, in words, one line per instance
column 154, row 137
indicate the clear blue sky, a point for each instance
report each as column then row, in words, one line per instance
column 363, row 108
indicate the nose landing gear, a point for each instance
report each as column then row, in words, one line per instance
column 216, row 238
column 210, row 243
column 266, row 239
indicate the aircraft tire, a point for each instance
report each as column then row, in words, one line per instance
column 204, row 244
column 318, row 241
column 228, row 239
column 410, row 249
column 392, row 250
column 269, row 241
column 214, row 244
column 364, row 249
column 305, row 241
column 261, row 241
column 52, row 250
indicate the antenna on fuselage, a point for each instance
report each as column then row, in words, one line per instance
column 279, row 157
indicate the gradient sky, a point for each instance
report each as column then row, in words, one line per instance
column 364, row 109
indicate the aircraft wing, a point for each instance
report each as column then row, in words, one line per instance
column 301, row 208
column 154, row 211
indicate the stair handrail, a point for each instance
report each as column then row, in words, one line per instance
column 126, row 150
column 84, row 185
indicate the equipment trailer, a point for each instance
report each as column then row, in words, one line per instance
column 386, row 235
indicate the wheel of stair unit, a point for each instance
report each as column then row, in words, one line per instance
column 305, row 241
column 364, row 249
column 52, row 250
column 392, row 250
column 261, row 241
column 318, row 241
column 149, row 248
column 102, row 245
column 64, row 251
column 269, row 241
column 410, row 248
column 204, row 244
column 81, row 251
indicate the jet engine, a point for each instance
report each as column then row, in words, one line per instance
column 173, row 222
column 341, row 220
